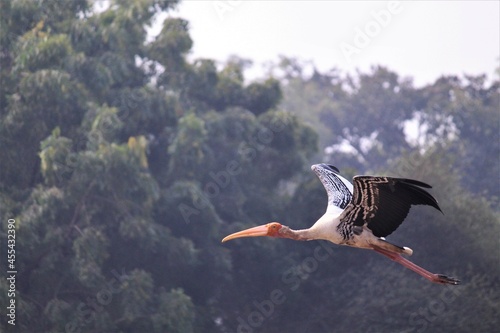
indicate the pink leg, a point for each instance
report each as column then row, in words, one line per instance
column 437, row 278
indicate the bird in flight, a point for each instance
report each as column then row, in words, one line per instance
column 361, row 216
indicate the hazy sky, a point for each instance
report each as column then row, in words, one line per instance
column 419, row 39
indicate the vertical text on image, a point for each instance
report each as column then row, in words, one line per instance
column 11, row 271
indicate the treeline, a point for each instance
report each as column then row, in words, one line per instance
column 123, row 165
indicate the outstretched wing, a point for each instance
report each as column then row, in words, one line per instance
column 382, row 203
column 338, row 188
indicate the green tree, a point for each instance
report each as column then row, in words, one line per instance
column 465, row 112
column 125, row 164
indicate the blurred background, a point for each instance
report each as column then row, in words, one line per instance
column 137, row 134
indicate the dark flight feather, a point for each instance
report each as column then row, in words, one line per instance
column 382, row 203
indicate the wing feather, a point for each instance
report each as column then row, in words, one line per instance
column 382, row 203
column 338, row 188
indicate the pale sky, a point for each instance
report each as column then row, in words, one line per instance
column 421, row 39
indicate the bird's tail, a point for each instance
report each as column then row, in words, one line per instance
column 382, row 243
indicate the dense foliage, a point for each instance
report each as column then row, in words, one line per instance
column 124, row 164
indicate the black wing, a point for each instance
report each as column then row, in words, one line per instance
column 338, row 188
column 382, row 203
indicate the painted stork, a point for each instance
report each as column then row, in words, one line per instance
column 361, row 216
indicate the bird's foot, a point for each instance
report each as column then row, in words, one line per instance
column 443, row 279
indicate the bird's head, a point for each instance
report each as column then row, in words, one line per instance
column 272, row 229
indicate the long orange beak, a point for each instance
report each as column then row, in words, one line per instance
column 261, row 230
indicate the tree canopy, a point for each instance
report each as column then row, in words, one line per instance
column 124, row 164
